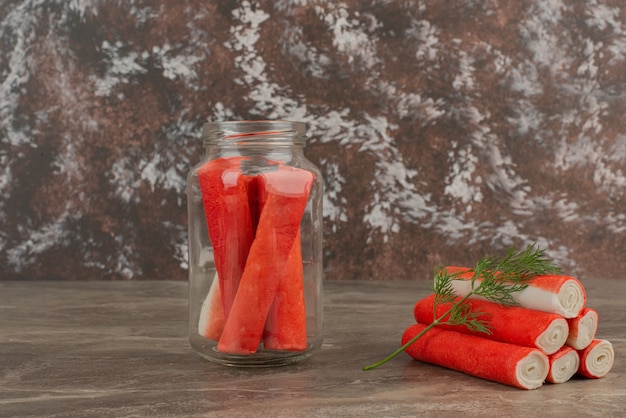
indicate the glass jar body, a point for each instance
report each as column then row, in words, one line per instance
column 255, row 246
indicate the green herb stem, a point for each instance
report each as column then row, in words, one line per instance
column 401, row 349
column 437, row 321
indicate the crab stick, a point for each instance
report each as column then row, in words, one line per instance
column 582, row 329
column 596, row 360
column 211, row 321
column 510, row 364
column 563, row 365
column 563, row 295
column 285, row 328
column 287, row 190
column 509, row 324
column 224, row 191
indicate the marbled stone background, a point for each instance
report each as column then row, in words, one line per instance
column 445, row 129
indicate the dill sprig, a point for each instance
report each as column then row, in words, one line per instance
column 493, row 278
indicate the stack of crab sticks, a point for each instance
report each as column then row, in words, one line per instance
column 549, row 336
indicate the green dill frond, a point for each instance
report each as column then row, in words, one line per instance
column 463, row 315
column 443, row 288
column 499, row 279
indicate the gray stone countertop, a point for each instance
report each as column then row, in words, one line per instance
column 116, row 349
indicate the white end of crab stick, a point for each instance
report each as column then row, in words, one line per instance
column 582, row 329
column 597, row 359
column 563, row 365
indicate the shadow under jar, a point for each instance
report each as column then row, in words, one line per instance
column 255, row 245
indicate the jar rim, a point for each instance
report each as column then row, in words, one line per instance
column 225, row 130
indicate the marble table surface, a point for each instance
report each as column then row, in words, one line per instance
column 116, row 349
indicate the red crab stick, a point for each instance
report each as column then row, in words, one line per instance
column 510, row 364
column 509, row 324
column 563, row 365
column 563, row 295
column 582, row 329
column 287, row 191
column 285, row 328
column 225, row 196
column 596, row 360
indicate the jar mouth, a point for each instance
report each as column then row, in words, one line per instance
column 249, row 130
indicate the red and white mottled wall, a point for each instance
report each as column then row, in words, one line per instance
column 445, row 130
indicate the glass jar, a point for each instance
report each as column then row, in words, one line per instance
column 255, row 245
